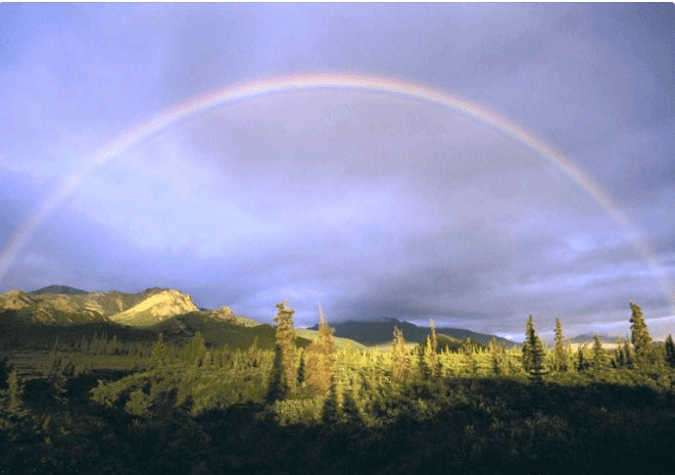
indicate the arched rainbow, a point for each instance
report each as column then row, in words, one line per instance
column 335, row 81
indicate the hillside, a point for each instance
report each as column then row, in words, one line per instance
column 61, row 305
column 58, row 289
column 28, row 318
column 156, row 308
column 587, row 338
column 381, row 332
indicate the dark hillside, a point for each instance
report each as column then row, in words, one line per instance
column 379, row 332
column 59, row 289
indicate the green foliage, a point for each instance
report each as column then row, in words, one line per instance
column 599, row 358
column 401, row 372
column 533, row 352
column 669, row 349
column 431, row 351
column 560, row 352
column 497, row 358
column 284, row 375
column 642, row 341
column 205, row 409
column 320, row 357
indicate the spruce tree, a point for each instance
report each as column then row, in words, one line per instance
column 559, row 350
column 432, row 348
column 642, row 341
column 598, row 355
column 498, row 355
column 670, row 351
column 320, row 357
column 628, row 353
column 400, row 366
column 582, row 364
column 619, row 357
column 533, row 352
column 284, row 375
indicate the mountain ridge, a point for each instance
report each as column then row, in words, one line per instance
column 381, row 331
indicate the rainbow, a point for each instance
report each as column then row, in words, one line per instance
column 333, row 81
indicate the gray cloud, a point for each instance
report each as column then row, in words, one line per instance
column 379, row 206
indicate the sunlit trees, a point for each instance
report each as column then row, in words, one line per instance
column 400, row 364
column 670, row 351
column 320, row 357
column 284, row 376
column 642, row 341
column 431, row 355
column 598, row 363
column 560, row 353
column 497, row 357
column 533, row 352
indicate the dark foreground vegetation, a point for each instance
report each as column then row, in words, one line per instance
column 120, row 406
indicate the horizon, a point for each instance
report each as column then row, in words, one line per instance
column 547, row 336
column 473, row 164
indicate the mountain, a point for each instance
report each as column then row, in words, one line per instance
column 31, row 317
column 587, row 338
column 58, row 289
column 378, row 332
column 62, row 305
column 156, row 308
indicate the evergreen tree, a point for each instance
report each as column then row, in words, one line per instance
column 533, row 352
column 498, row 357
column 195, row 350
column 58, row 377
column 158, row 353
column 559, row 351
column 470, row 363
column 400, row 365
column 670, row 351
column 619, row 356
column 628, row 353
column 582, row 364
column 642, row 341
column 432, row 351
column 320, row 357
column 598, row 355
column 284, row 375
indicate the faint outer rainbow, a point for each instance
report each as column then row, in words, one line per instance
column 333, row 81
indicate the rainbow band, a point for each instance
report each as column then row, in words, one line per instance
column 335, row 81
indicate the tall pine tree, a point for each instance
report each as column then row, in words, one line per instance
column 598, row 355
column 560, row 353
column 533, row 352
column 284, row 375
column 400, row 365
column 320, row 357
column 642, row 341
column 670, row 351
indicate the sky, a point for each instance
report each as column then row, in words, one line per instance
column 378, row 204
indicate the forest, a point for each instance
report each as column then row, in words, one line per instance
column 132, row 402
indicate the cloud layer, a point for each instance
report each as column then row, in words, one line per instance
column 377, row 206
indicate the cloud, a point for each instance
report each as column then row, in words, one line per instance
column 376, row 205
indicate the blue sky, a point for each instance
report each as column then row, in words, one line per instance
column 378, row 206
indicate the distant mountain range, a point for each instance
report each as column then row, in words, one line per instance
column 174, row 313
column 154, row 310
column 59, row 289
column 379, row 332
column 589, row 338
